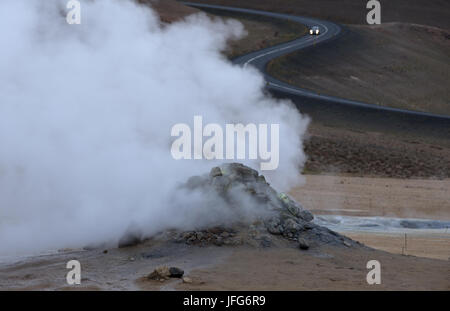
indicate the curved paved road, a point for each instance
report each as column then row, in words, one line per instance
column 323, row 107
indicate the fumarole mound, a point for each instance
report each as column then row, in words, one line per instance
column 278, row 219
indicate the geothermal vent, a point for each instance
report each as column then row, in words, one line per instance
column 266, row 217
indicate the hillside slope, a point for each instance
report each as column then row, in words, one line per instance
column 394, row 64
column 432, row 12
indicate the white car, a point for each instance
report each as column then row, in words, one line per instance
column 314, row 30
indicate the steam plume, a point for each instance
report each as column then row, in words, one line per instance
column 86, row 112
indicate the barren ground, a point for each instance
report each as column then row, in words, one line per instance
column 229, row 268
column 283, row 266
column 327, row 269
column 393, row 64
column 387, row 152
column 386, row 197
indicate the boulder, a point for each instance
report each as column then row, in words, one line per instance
column 176, row 272
column 303, row 244
column 281, row 215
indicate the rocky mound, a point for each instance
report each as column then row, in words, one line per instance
column 281, row 217
column 278, row 218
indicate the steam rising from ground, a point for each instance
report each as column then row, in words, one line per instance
column 85, row 118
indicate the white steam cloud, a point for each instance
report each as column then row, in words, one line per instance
column 86, row 113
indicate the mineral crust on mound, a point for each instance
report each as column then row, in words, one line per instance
column 282, row 216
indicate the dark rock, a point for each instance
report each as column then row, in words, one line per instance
column 309, row 226
column 218, row 241
column 221, row 184
column 274, row 227
column 200, row 235
column 292, row 226
column 215, row 171
column 239, row 172
column 262, row 179
column 282, row 215
column 303, row 244
column 176, row 272
column 306, row 215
